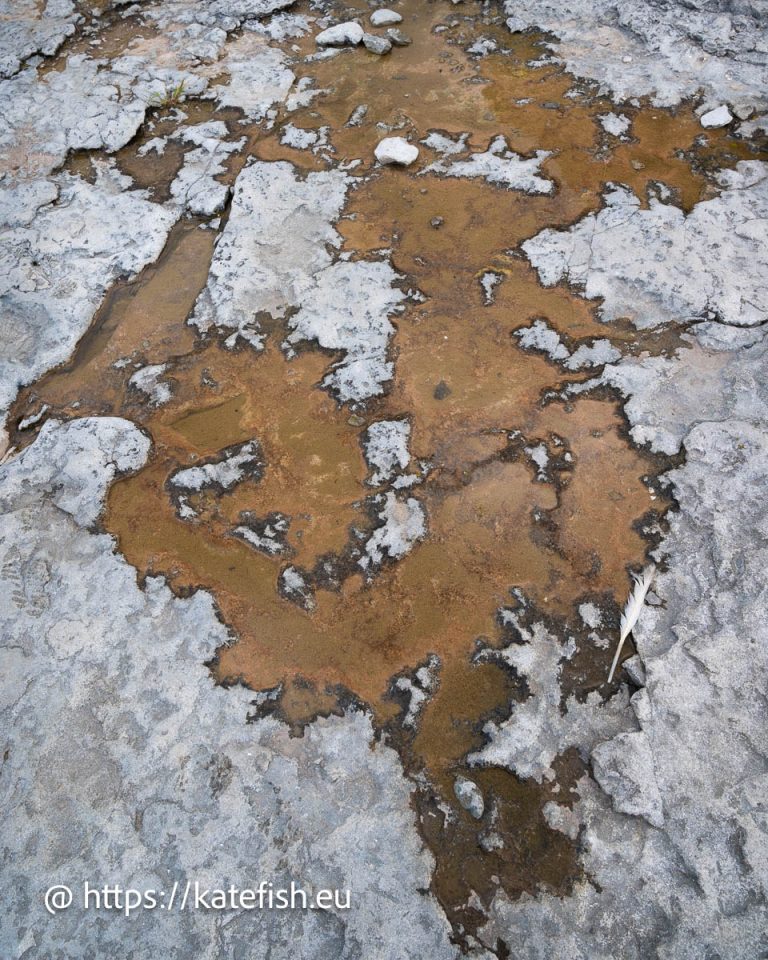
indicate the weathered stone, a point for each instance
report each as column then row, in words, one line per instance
column 125, row 763
column 398, row 38
column 347, row 34
column 717, row 279
column 498, row 165
column 385, row 17
column 281, row 228
column 719, row 117
column 378, row 45
column 665, row 50
column 469, row 796
column 55, row 270
column 396, row 150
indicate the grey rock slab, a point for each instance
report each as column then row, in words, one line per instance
column 282, row 27
column 635, row 670
column 86, row 106
column 594, row 354
column 445, row 145
column 348, row 308
column 195, row 186
column 666, row 49
column 615, row 123
column 30, row 28
column 258, row 76
column 385, row 445
column 151, row 382
column 489, row 281
column 20, row 200
column 498, row 165
column 540, row 336
column 230, row 467
column 542, row 727
column 274, row 255
column 668, row 396
column 274, row 243
column 560, row 817
column 300, row 138
column 624, row 769
column 295, row 588
column 591, row 615
column 55, row 271
column 710, row 262
column 419, row 687
column 674, row 840
column 694, row 884
column 125, row 763
column 403, row 524
column 71, row 466
column 199, row 31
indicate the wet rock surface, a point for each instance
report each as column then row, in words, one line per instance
column 325, row 477
column 682, row 270
column 112, row 767
column 668, row 50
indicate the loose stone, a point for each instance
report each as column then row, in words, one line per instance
column 398, row 38
column 396, row 150
column 385, row 17
column 348, row 34
column 378, row 45
column 719, row 117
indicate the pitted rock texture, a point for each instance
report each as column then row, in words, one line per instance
column 684, row 875
column 57, row 266
column 685, row 775
column 28, row 29
column 123, row 758
column 541, row 729
column 668, row 50
column 498, row 165
column 659, row 265
column 565, row 818
column 276, row 241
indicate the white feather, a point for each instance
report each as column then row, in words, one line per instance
column 632, row 611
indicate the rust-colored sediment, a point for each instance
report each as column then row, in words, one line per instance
column 492, row 524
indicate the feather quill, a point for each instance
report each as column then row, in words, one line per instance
column 632, row 611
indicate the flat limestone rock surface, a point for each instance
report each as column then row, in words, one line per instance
column 666, row 49
column 349, row 308
column 498, row 165
column 124, row 759
column 195, row 185
column 681, row 792
column 55, row 270
column 679, row 267
column 29, row 28
column 276, row 240
column 694, row 792
column 274, row 254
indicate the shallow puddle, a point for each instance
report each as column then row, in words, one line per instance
column 475, row 402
